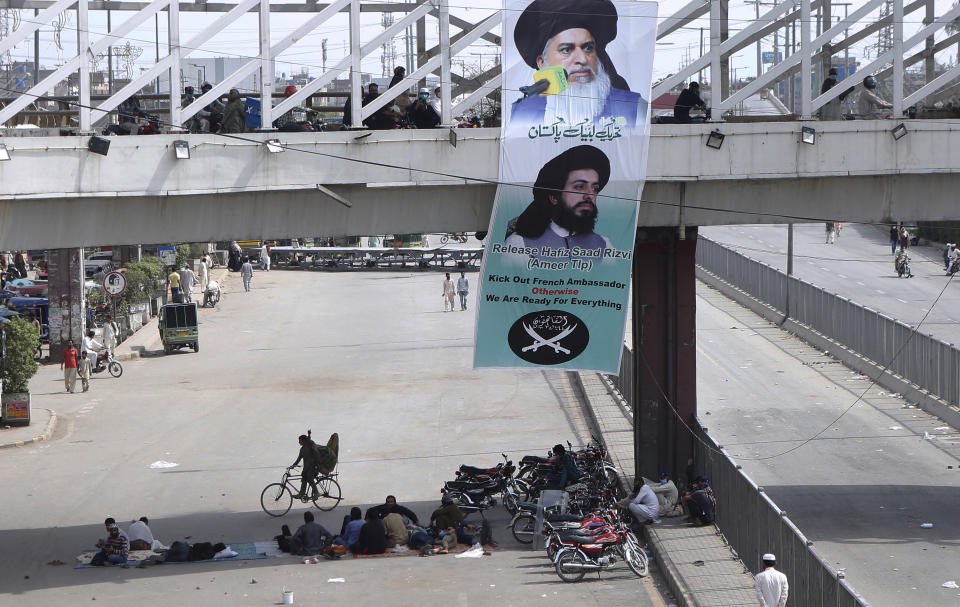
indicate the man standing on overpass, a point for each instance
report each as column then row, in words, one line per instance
column 771, row 585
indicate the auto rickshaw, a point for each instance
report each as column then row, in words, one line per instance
column 178, row 327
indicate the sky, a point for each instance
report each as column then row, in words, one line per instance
column 240, row 39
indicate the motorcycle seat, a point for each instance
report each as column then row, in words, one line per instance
column 469, row 486
column 563, row 518
column 534, row 459
column 474, row 471
column 527, row 506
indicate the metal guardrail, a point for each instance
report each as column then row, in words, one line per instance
column 917, row 357
column 753, row 525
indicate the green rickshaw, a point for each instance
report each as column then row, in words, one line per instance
column 178, row 327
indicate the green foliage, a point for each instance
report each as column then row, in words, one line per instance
column 18, row 366
column 183, row 254
column 142, row 277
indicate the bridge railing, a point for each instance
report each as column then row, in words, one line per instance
column 919, row 358
column 907, row 34
column 753, row 525
column 751, row 522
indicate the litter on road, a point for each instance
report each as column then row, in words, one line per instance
column 163, row 464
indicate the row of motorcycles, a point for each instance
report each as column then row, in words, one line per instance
column 594, row 534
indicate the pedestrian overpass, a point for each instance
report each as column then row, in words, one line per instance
column 55, row 193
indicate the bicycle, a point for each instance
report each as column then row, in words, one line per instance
column 277, row 498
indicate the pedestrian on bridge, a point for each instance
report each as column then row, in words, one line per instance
column 449, row 294
column 771, row 584
column 246, row 273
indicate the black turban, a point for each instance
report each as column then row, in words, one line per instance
column 543, row 19
column 551, row 179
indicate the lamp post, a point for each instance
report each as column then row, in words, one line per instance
column 204, row 70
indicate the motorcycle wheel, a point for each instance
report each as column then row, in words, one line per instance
column 637, row 560
column 523, row 528
column 553, row 546
column 567, row 559
column 510, row 502
column 115, row 369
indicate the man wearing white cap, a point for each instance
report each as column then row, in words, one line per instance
column 421, row 114
column 771, row 585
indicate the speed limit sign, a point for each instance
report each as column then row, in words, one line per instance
column 114, row 283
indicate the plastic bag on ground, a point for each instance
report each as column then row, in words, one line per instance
column 474, row 552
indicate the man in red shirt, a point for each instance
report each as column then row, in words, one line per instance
column 69, row 366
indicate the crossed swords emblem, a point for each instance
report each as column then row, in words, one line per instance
column 553, row 342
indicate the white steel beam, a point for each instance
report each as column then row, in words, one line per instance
column 173, row 42
column 355, row 59
column 775, row 73
column 716, row 87
column 41, row 88
column 932, row 87
column 83, row 42
column 473, row 98
column 446, row 83
column 685, row 15
column 28, row 27
column 941, row 22
column 806, row 53
column 266, row 68
column 430, row 66
column 897, row 58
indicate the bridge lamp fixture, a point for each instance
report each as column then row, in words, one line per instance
column 4, row 153
column 715, row 139
column 182, row 149
column 899, row 131
column 808, row 135
column 98, row 145
column 274, row 146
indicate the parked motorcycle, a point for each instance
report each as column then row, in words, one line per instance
column 107, row 363
column 212, row 294
column 600, row 551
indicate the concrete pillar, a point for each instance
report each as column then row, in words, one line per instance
column 127, row 254
column 66, row 298
column 665, row 362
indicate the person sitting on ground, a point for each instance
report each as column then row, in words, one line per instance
column 417, row 536
column 569, row 472
column 107, row 523
column 642, row 503
column 667, row 494
column 113, row 550
column 391, row 505
column 447, row 515
column 350, row 532
column 309, row 474
column 699, row 503
column 397, row 534
column 140, row 536
column 310, row 537
column 373, row 536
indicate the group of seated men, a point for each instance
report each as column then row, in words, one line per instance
column 389, row 526
column 115, row 548
column 648, row 502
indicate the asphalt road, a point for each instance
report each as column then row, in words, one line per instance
column 862, row 488
column 859, row 266
column 371, row 355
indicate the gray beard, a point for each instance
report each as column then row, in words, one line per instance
column 579, row 102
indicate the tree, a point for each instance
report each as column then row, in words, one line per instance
column 18, row 366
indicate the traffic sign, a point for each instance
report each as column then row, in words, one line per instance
column 114, row 283
column 168, row 255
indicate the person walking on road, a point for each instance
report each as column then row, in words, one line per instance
column 831, row 228
column 463, row 288
column 204, row 273
column 449, row 294
column 246, row 273
column 69, row 366
column 894, row 238
column 771, row 584
column 904, row 238
column 110, row 332
column 187, row 279
column 174, row 279
column 265, row 256
column 83, row 370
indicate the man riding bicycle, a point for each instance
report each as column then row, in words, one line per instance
column 309, row 475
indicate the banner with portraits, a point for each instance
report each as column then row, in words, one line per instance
column 555, row 279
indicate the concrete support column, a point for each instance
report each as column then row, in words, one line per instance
column 665, row 362
column 126, row 254
column 66, row 298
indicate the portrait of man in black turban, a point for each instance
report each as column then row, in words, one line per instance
column 564, row 211
column 574, row 34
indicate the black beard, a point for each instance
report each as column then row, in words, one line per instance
column 579, row 224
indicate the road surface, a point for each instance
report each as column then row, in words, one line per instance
column 370, row 355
